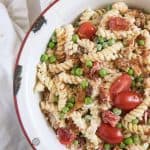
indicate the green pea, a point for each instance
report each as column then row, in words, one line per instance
column 89, row 63
column 105, row 45
column 79, row 72
column 88, row 100
column 52, row 59
column 75, row 38
column 136, row 139
column 101, row 40
column 122, row 145
column 103, row 72
column 70, row 105
column 131, row 72
column 84, row 84
column 99, row 47
column 128, row 141
column 71, row 100
column 119, row 125
column 44, row 58
column 135, row 121
column 65, row 109
column 141, row 42
column 107, row 147
column 51, row 45
column 117, row 111
column 111, row 42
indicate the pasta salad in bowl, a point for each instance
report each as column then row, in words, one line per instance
column 93, row 81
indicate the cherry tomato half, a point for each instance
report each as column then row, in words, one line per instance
column 127, row 100
column 86, row 30
column 65, row 136
column 122, row 83
column 110, row 134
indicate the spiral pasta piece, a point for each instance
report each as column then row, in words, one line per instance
column 146, row 35
column 135, row 128
column 87, row 45
column 61, row 38
column 139, row 111
column 120, row 6
column 108, row 54
column 86, row 15
column 66, row 78
column 56, row 68
column 43, row 76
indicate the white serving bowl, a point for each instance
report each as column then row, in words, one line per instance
column 31, row 119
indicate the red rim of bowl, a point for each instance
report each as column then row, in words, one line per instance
column 17, row 60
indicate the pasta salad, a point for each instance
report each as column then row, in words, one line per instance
column 94, row 80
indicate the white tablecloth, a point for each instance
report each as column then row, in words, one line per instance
column 14, row 22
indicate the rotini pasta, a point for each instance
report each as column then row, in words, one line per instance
column 94, row 80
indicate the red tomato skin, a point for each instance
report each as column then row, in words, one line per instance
column 122, row 83
column 127, row 100
column 109, row 134
column 86, row 30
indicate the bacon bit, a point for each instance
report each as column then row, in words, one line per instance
column 136, row 66
column 79, row 99
column 118, row 24
column 111, row 118
column 89, row 90
column 94, row 70
column 72, row 126
column 122, row 63
column 104, row 94
column 146, row 115
column 65, row 136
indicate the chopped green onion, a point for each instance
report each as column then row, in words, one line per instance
column 88, row 100
column 131, row 72
column 89, row 63
column 76, row 142
column 122, row 145
column 75, row 38
column 107, row 147
column 73, row 71
column 105, row 45
column 70, row 105
column 136, row 139
column 51, row 45
column 79, row 72
column 128, row 141
column 103, row 72
column 99, row 47
column 101, row 40
column 139, row 79
column 135, row 121
column 52, row 59
column 61, row 115
column 65, row 109
column 71, row 100
column 141, row 42
column 109, row 7
column 84, row 84
column 117, row 111
column 44, row 58
column 111, row 42
column 119, row 125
